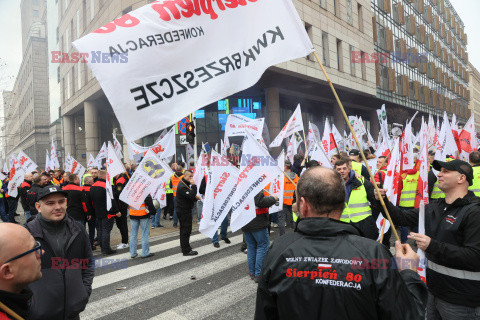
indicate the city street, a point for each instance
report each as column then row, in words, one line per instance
column 161, row 287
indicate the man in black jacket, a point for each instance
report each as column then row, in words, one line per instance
column 451, row 243
column 66, row 284
column 186, row 197
column 75, row 199
column 325, row 270
column 98, row 193
column 20, row 265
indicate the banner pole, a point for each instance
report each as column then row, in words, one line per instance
column 358, row 144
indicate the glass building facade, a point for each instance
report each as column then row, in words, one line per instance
column 423, row 59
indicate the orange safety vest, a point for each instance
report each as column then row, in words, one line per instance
column 175, row 182
column 289, row 190
column 140, row 212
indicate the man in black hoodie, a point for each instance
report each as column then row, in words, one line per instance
column 20, row 265
column 66, row 284
column 186, row 198
column 451, row 243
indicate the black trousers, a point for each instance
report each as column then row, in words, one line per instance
column 169, row 208
column 105, row 226
column 122, row 225
column 185, row 219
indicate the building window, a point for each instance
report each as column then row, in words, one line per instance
column 399, row 85
column 325, row 51
column 381, row 40
column 35, row 2
column 352, row 63
column 58, row 74
column 349, row 12
column 58, row 36
column 68, row 85
column 92, row 9
column 336, row 8
column 360, row 18
column 67, row 40
column 383, row 77
column 79, row 75
column 78, row 24
column 323, row 4
column 126, row 10
column 66, row 6
column 364, row 67
column 339, row 55
column 411, row 91
column 308, row 29
column 73, row 79
column 35, row 13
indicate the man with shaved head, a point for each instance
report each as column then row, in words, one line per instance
column 20, row 265
column 23, row 191
column 326, row 270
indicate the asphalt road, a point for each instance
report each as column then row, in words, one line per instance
column 161, row 287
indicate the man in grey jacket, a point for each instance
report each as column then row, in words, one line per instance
column 66, row 285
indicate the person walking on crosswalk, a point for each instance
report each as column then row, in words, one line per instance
column 256, row 234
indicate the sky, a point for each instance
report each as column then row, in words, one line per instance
column 11, row 40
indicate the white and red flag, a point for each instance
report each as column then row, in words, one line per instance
column 455, row 132
column 257, row 168
column 25, row 161
column 392, row 178
column 294, row 124
column 422, row 267
column 150, row 173
column 468, row 136
column 313, row 135
column 54, row 157
column 48, row 165
column 318, row 154
column 114, row 167
column 163, row 149
column 221, row 186
column 224, row 48
column 423, row 167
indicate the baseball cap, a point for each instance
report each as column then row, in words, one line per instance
column 456, row 165
column 46, row 191
column 354, row 152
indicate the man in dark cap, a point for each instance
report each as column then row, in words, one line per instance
column 67, row 270
column 357, row 165
column 451, row 243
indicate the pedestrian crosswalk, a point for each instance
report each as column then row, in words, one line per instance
column 161, row 287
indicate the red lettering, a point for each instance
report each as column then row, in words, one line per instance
column 65, row 58
column 84, row 55
column 356, row 57
column 109, row 27
column 56, row 262
column 55, row 57
column 126, row 21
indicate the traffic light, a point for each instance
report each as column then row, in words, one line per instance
column 191, row 132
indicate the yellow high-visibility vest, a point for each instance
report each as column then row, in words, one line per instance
column 409, row 190
column 358, row 207
column 475, row 187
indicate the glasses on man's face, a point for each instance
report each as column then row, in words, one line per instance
column 37, row 249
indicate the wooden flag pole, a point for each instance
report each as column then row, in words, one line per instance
column 10, row 312
column 359, row 148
